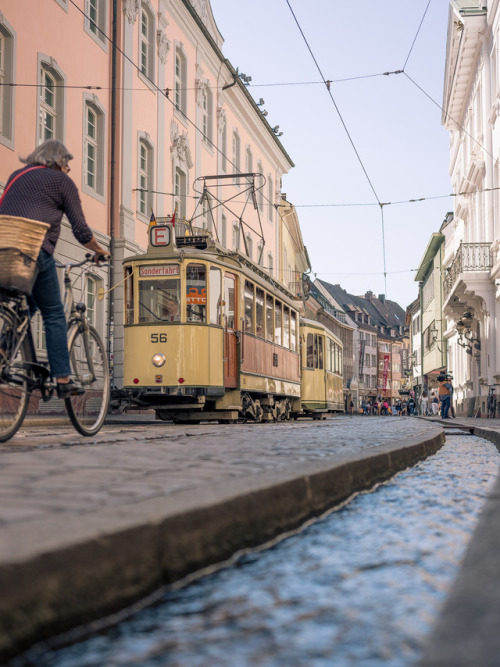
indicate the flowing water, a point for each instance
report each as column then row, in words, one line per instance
column 362, row 586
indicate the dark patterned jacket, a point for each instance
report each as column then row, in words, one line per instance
column 45, row 195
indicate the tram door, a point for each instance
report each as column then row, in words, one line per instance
column 230, row 338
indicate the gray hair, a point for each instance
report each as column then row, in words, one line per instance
column 52, row 153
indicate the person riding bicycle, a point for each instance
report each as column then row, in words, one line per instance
column 42, row 190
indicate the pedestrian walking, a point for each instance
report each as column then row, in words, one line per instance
column 424, row 404
column 445, row 390
column 434, row 404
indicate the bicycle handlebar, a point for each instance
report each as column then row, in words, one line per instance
column 89, row 257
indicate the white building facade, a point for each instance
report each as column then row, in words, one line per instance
column 471, row 258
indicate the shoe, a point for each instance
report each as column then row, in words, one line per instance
column 65, row 389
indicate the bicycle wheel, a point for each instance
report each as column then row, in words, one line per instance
column 90, row 367
column 15, row 375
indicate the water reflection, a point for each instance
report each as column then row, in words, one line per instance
column 360, row 587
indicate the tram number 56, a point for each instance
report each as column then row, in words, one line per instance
column 159, row 338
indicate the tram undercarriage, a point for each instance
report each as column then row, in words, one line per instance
column 229, row 408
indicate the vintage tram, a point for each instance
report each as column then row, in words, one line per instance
column 210, row 336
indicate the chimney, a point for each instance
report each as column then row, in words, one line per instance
column 381, row 297
column 369, row 295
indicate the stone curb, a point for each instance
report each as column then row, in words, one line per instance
column 58, row 590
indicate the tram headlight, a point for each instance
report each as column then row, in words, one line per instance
column 159, row 360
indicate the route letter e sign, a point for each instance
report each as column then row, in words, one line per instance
column 159, row 236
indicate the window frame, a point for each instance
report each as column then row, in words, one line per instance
column 145, row 176
column 48, row 66
column 92, row 104
column 7, row 93
column 147, row 45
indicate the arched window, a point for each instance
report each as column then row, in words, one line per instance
column 248, row 160
column 205, row 101
column 236, row 236
column 270, row 264
column 50, row 102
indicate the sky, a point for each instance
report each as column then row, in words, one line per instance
column 373, row 139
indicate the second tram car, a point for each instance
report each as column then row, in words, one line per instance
column 210, row 336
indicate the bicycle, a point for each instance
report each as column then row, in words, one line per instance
column 21, row 373
column 492, row 401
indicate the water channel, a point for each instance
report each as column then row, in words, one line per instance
column 361, row 586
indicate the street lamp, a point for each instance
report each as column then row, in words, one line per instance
column 465, row 336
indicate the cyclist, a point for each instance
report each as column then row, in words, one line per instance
column 42, row 190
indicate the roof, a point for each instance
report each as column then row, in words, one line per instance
column 383, row 312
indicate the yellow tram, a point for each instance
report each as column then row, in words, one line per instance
column 322, row 370
column 210, row 336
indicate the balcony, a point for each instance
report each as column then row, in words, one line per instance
column 470, row 258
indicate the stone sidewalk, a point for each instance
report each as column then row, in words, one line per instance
column 91, row 525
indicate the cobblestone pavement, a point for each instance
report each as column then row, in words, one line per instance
column 58, row 474
column 88, row 525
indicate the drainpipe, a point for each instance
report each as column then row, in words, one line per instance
column 112, row 182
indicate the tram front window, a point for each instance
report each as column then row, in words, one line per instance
column 159, row 301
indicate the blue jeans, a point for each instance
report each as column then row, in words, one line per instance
column 445, row 405
column 46, row 296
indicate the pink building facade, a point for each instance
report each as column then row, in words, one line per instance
column 143, row 97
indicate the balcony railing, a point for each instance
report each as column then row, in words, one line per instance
column 469, row 257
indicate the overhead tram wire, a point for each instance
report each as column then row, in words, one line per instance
column 164, row 93
column 327, row 86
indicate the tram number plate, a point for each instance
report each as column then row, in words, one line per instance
column 158, row 337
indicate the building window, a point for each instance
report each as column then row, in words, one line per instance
column 249, row 246
column 93, row 149
column 50, row 103
column 146, row 183
column 270, row 197
column 7, row 50
column 236, row 236
column 206, row 114
column 146, row 43
column 223, row 147
column 248, row 160
column 270, row 264
column 236, row 155
column 223, row 231
column 260, row 191
column 95, row 20
column 180, row 81
column 180, row 193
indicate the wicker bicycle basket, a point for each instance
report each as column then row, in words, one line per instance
column 20, row 243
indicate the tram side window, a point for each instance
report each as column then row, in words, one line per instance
column 278, row 316
column 248, row 298
column 329, row 354
column 286, row 326
column 293, row 331
column 259, row 312
column 159, row 300
column 269, row 318
column 341, row 361
column 320, row 351
column 215, row 295
column 229, row 299
column 129, row 296
column 196, row 293
column 310, row 351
